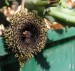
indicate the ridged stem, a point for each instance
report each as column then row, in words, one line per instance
column 67, row 18
column 64, row 3
column 42, row 3
column 45, row 2
column 64, row 10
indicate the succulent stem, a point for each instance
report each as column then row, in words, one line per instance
column 47, row 2
column 67, row 18
column 42, row 3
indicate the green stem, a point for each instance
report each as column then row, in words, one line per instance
column 64, row 3
column 42, row 3
column 69, row 19
column 50, row 18
column 64, row 10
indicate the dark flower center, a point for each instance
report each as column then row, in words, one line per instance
column 29, row 34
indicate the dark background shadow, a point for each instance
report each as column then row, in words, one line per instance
column 41, row 60
column 3, row 20
column 9, row 63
